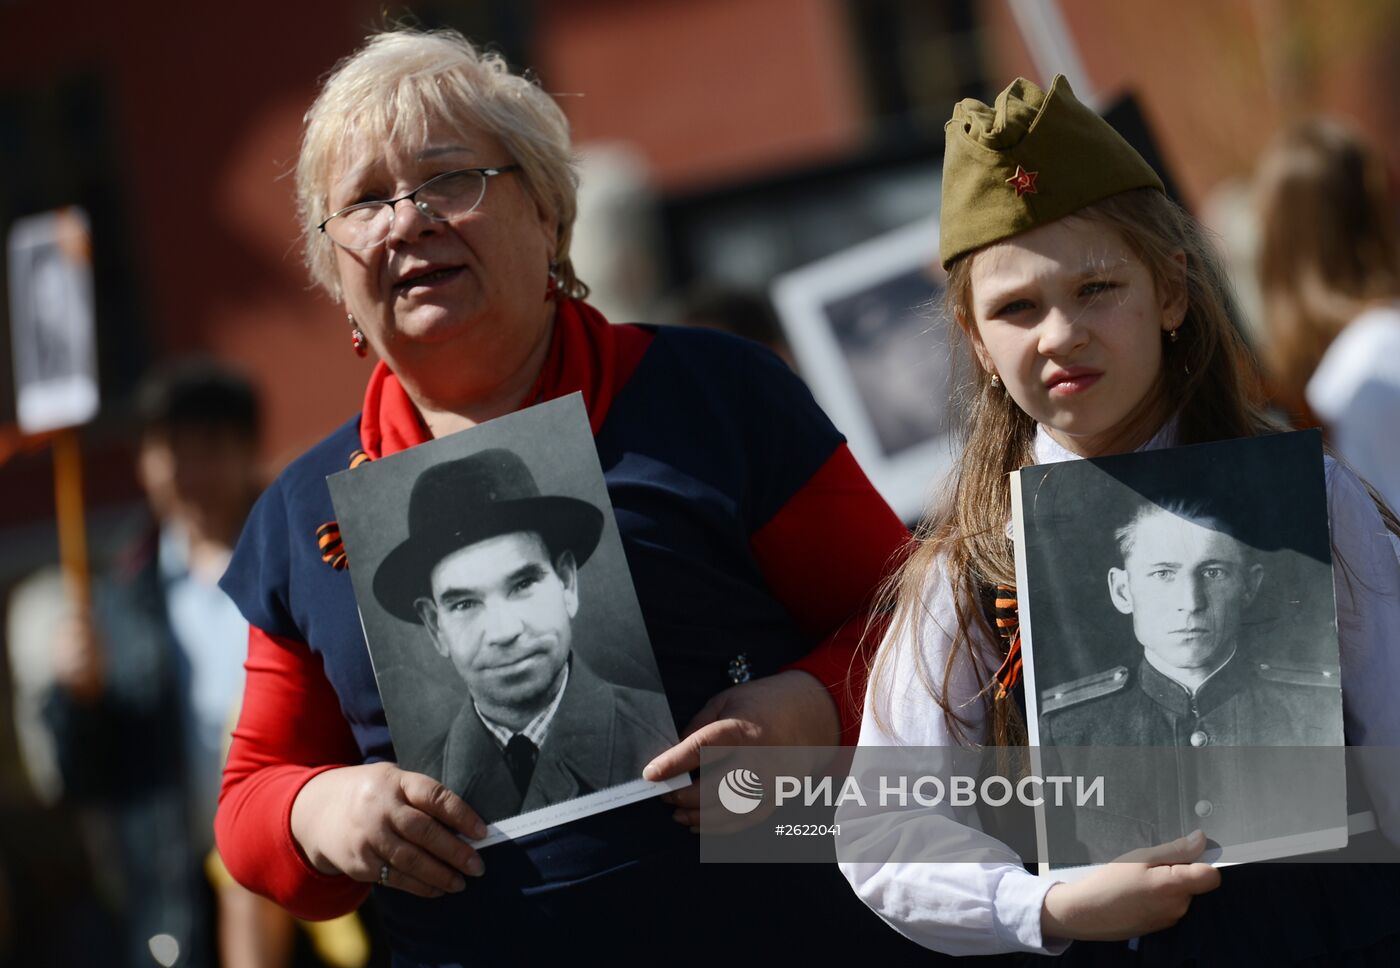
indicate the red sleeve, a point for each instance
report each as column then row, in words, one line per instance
column 824, row 555
column 289, row 730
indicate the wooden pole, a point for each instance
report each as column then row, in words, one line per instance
column 72, row 530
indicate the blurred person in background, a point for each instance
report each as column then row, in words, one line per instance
column 1329, row 273
column 57, row 892
column 145, row 683
column 746, row 314
column 437, row 198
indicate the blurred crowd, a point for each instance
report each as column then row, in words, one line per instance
column 1330, row 281
column 123, row 699
column 124, row 694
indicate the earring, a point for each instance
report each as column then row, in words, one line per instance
column 996, row 380
column 552, row 287
column 1172, row 335
column 357, row 338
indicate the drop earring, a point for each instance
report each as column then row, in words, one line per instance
column 552, row 287
column 996, row 380
column 357, row 338
column 1172, row 337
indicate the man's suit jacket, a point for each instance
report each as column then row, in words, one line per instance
column 602, row 735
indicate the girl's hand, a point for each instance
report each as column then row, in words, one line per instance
column 379, row 824
column 1144, row 891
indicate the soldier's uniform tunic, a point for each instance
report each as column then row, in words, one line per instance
column 1210, row 773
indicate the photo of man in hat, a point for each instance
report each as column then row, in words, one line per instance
column 490, row 569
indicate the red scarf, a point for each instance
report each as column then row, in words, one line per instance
column 586, row 354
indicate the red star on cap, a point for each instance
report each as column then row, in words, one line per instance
column 1023, row 181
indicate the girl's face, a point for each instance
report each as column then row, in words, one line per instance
column 1070, row 320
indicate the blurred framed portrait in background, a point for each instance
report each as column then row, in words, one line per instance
column 867, row 329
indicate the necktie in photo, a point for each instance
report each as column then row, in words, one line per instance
column 520, row 760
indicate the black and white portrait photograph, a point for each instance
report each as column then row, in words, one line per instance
column 867, row 329
column 506, row 638
column 52, row 320
column 878, row 329
column 1182, row 600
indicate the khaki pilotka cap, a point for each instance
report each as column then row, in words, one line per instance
column 1035, row 157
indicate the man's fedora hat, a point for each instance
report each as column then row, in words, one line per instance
column 461, row 502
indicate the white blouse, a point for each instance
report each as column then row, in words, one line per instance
column 994, row 905
column 1355, row 392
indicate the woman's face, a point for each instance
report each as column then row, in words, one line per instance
column 478, row 279
column 1070, row 320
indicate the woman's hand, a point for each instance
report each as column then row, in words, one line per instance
column 1128, row 898
column 788, row 709
column 379, row 824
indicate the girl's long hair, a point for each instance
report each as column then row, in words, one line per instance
column 1209, row 380
column 1327, row 248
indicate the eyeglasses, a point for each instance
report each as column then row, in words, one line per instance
column 442, row 197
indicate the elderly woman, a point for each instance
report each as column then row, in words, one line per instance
column 436, row 193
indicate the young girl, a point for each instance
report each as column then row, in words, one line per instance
column 1100, row 322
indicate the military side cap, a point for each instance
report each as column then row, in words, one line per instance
column 1034, row 157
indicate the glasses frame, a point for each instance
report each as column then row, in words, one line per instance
column 393, row 203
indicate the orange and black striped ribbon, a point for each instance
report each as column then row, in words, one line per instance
column 332, row 548
column 328, row 535
column 1008, row 626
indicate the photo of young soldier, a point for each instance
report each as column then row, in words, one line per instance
column 1180, row 610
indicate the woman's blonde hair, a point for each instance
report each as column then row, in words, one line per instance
column 393, row 90
column 1208, row 379
column 1327, row 247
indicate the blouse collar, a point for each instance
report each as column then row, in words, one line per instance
column 1047, row 450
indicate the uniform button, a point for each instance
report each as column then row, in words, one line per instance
column 1200, row 738
column 1204, row 808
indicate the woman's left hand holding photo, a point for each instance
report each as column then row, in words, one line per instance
column 791, row 708
column 379, row 824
